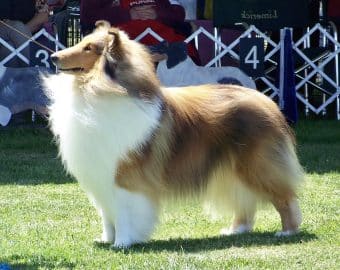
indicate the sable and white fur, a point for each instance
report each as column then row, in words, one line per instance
column 130, row 142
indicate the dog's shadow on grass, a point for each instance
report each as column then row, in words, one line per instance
column 192, row 245
column 34, row 262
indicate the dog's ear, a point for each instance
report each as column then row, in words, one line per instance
column 112, row 54
column 114, row 38
column 102, row 24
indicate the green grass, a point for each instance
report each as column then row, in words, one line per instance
column 46, row 221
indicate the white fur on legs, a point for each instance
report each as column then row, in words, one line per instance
column 135, row 220
column 108, row 233
column 291, row 218
column 242, row 228
column 230, row 192
column 244, row 204
column 286, row 233
column 243, row 220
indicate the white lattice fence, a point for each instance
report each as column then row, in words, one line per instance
column 267, row 83
column 42, row 54
column 313, row 76
column 305, row 75
column 273, row 49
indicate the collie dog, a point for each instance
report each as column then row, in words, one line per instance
column 131, row 142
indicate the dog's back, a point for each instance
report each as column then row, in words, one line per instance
column 211, row 127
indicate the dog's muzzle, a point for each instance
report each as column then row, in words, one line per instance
column 55, row 60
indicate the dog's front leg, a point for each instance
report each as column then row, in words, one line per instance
column 136, row 216
column 108, row 233
column 107, row 217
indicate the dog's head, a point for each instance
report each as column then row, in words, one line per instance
column 109, row 55
column 82, row 57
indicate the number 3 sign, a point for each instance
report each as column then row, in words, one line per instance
column 252, row 56
column 40, row 56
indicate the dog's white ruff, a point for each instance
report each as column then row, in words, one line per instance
column 95, row 133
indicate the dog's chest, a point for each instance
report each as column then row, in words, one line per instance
column 95, row 134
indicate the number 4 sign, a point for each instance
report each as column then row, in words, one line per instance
column 252, row 56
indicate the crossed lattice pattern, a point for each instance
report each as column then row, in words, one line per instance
column 313, row 77
column 18, row 52
column 305, row 76
column 266, row 83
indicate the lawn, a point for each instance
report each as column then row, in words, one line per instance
column 46, row 221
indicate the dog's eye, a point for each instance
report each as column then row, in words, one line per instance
column 88, row 48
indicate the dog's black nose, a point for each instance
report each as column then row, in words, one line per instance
column 54, row 58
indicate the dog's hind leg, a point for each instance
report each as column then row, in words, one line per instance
column 243, row 203
column 290, row 214
column 283, row 178
column 136, row 216
column 226, row 192
column 276, row 177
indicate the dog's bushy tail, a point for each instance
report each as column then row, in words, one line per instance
column 272, row 172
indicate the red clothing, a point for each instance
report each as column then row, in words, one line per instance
column 94, row 10
column 166, row 12
column 136, row 27
column 134, row 3
column 169, row 18
column 334, row 10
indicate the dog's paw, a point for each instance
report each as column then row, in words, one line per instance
column 236, row 230
column 286, row 233
column 121, row 245
column 103, row 241
column 226, row 231
column 126, row 243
